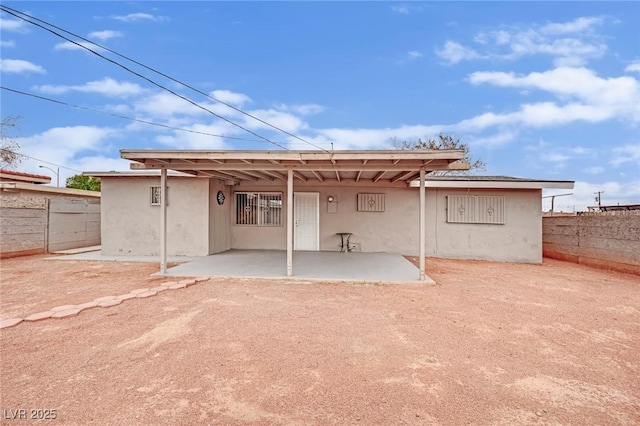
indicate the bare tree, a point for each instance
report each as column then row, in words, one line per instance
column 10, row 156
column 444, row 142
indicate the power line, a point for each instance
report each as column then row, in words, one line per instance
column 170, row 78
column 125, row 117
column 6, row 9
column 37, row 159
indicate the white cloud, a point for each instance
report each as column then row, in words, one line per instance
column 554, row 157
column 135, row 17
column 7, row 43
column 584, row 195
column 595, row 170
column 283, row 120
column 613, row 193
column 414, row 54
column 80, row 45
column 406, row 9
column 13, row 25
column 305, row 109
column 578, row 25
column 105, row 35
column 184, row 140
column 66, row 146
column 503, row 137
column 400, row 9
column 107, row 86
column 165, row 105
column 231, row 98
column 455, row 52
column 626, row 154
column 586, row 95
column 570, row 43
column 375, row 138
column 18, row 66
column 633, row 66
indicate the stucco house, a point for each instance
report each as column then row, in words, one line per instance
column 304, row 200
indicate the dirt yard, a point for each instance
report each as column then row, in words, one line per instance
column 490, row 344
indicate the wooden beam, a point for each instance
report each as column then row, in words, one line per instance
column 300, row 176
column 379, row 175
column 401, row 176
column 275, row 175
column 351, row 167
column 317, row 175
column 291, row 155
column 258, row 175
column 338, row 175
column 237, row 175
column 358, row 175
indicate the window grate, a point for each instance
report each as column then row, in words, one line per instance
column 476, row 209
column 155, row 195
column 258, row 208
column 371, row 202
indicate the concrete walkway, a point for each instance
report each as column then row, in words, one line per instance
column 316, row 265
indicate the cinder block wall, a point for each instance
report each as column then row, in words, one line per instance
column 611, row 242
column 23, row 226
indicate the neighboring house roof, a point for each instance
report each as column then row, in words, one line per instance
column 11, row 176
column 391, row 166
column 139, row 173
column 492, row 182
column 12, row 187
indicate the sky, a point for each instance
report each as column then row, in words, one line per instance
column 543, row 90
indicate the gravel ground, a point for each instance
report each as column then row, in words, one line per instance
column 491, row 344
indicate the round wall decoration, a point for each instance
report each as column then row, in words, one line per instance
column 220, row 197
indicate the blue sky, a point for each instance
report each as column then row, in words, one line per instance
column 547, row 90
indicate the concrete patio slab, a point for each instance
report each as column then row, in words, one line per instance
column 98, row 256
column 360, row 267
column 78, row 250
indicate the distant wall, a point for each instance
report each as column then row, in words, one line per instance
column 73, row 223
column 606, row 241
column 35, row 223
column 23, row 226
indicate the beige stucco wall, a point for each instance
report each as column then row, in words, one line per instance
column 219, row 218
column 518, row 240
column 197, row 225
column 131, row 226
column 397, row 228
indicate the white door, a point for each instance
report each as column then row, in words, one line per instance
column 306, row 223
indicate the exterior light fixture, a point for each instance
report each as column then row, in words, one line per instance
column 330, row 198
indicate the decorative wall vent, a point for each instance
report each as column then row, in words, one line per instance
column 475, row 209
column 371, row 202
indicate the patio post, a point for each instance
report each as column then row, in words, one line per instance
column 163, row 220
column 290, row 223
column 421, row 262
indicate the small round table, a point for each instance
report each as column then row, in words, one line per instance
column 344, row 241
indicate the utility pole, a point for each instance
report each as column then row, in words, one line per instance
column 599, row 198
column 553, row 199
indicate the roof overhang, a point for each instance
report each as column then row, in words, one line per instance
column 461, row 183
column 390, row 166
column 30, row 187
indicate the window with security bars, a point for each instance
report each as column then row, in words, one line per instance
column 476, row 209
column 155, row 195
column 258, row 208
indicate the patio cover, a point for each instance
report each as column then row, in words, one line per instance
column 234, row 166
